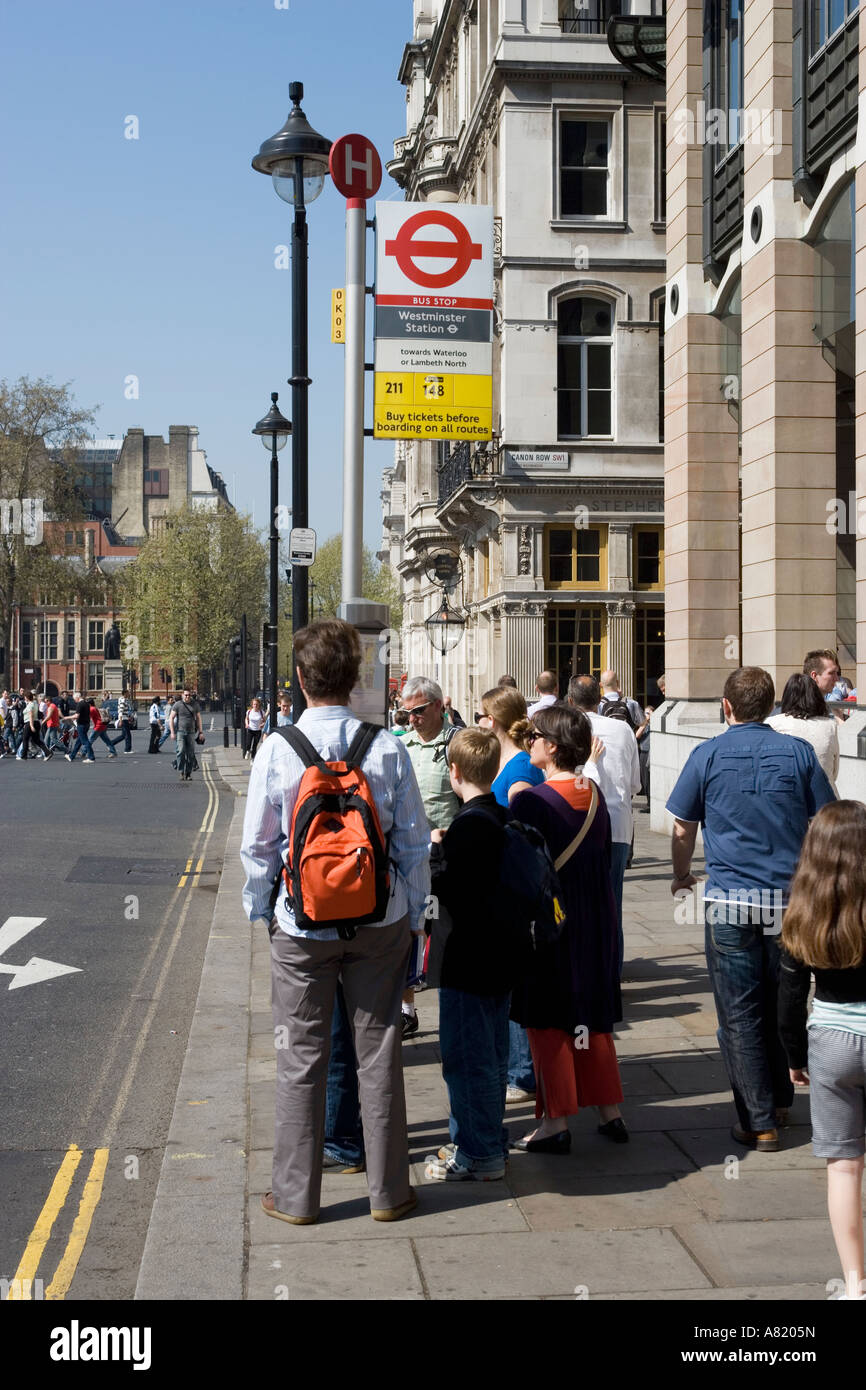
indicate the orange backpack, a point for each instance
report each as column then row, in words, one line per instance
column 336, row 870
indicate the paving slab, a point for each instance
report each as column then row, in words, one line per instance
column 335, row 1270
column 738, row 1191
column 642, row 1046
column 793, row 1293
column 763, row 1253
column 641, row 1079
column 704, row 1073
column 546, row 1263
column 456, row 1209
column 592, row 1156
column 628, row 1203
column 709, row 1147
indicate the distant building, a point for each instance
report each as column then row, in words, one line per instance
column 128, row 487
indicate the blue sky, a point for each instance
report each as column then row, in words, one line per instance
column 155, row 257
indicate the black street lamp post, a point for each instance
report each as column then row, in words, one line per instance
column 297, row 160
column 273, row 429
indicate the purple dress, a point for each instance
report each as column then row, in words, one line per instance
column 575, row 981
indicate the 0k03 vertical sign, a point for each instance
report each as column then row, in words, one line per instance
column 434, row 321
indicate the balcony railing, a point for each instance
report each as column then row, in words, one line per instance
column 466, row 463
column 591, row 16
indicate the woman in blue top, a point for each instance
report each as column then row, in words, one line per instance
column 504, row 711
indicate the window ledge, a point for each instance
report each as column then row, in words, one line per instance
column 658, row 226
column 568, row 224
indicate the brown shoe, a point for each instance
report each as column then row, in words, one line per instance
column 394, row 1213
column 767, row 1141
column 271, row 1210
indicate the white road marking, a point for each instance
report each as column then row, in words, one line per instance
column 36, row 970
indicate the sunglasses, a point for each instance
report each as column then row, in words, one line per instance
column 481, row 715
column 419, row 709
column 533, row 735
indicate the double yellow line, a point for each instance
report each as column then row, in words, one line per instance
column 21, row 1284
column 206, row 828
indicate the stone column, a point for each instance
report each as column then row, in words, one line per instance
column 524, row 643
column 620, row 642
column 548, row 18
column 788, row 390
column 619, row 537
column 701, row 468
column 860, row 357
column 514, row 16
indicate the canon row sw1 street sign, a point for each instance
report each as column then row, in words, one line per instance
column 434, row 321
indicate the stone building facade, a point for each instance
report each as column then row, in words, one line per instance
column 557, row 522
column 765, row 412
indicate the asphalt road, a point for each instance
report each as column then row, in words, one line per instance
column 121, row 859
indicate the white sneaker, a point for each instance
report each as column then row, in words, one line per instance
column 449, row 1170
column 515, row 1095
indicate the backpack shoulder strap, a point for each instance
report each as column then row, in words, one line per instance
column 301, row 745
column 360, row 745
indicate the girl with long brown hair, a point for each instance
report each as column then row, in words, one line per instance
column 824, row 933
column 504, row 711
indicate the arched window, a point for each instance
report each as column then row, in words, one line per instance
column 584, row 368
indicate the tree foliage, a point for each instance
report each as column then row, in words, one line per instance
column 185, row 592
column 41, row 432
column 378, row 584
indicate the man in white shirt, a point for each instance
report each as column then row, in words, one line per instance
column 611, row 694
column 618, row 776
column 546, row 688
column 155, row 718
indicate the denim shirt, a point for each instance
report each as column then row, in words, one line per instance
column 274, row 779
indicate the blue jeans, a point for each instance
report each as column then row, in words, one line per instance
column 521, row 1072
column 618, row 857
column 125, row 735
column 82, row 740
column 166, row 735
column 344, row 1137
column 100, row 733
column 743, row 962
column 473, row 1043
column 185, row 754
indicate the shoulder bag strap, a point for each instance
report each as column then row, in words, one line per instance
column 579, row 838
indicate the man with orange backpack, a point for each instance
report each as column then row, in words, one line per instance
column 333, row 805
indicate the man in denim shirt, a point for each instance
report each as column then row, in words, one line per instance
column 753, row 791
column 307, row 963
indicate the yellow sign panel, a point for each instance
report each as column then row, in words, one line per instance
column 431, row 405
column 338, row 316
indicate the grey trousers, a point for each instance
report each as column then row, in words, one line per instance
column 304, row 974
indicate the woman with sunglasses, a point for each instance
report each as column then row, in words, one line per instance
column 504, row 711
column 571, row 1000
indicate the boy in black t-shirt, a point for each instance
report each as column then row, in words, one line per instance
column 477, row 971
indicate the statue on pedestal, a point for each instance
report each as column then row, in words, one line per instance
column 112, row 643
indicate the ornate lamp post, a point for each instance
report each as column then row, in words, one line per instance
column 273, row 430
column 296, row 158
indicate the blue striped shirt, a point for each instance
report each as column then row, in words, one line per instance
column 273, row 788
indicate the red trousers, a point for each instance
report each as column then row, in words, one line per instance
column 569, row 1077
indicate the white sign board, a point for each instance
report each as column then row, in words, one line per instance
column 302, row 545
column 537, row 458
column 433, row 321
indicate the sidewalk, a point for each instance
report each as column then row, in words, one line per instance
column 681, row 1212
